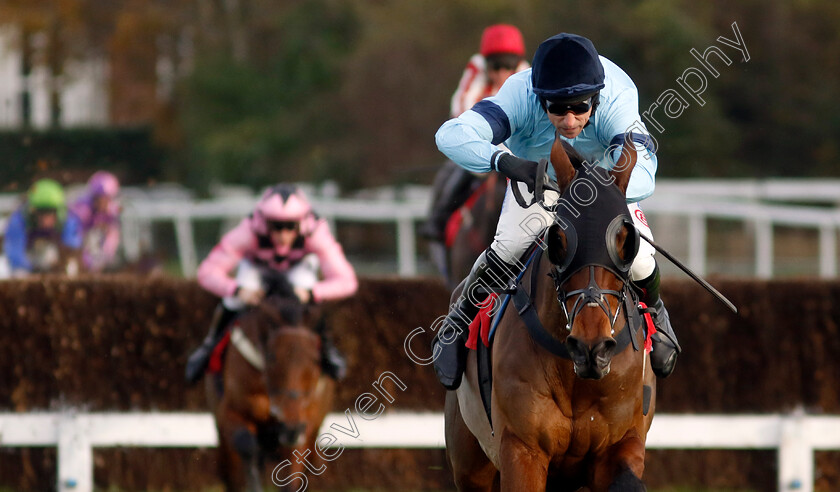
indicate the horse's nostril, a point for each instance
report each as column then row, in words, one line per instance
column 603, row 351
column 577, row 350
column 291, row 434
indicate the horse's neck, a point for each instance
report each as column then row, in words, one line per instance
column 250, row 322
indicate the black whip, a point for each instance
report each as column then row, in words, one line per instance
column 694, row 276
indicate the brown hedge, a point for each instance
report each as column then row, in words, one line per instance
column 120, row 343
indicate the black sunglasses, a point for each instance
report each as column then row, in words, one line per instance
column 502, row 61
column 561, row 108
column 281, row 225
column 496, row 65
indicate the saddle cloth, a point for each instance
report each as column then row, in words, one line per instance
column 453, row 225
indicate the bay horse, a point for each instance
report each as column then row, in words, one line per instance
column 576, row 415
column 274, row 396
column 470, row 231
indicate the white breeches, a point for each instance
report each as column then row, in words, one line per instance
column 519, row 227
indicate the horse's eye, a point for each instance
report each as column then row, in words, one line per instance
column 622, row 242
column 558, row 246
column 562, row 242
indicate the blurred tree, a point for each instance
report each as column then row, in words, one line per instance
column 309, row 89
column 262, row 105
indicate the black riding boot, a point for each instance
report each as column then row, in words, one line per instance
column 198, row 360
column 488, row 273
column 663, row 358
column 451, row 189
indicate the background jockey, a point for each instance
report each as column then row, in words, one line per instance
column 39, row 229
column 283, row 234
column 98, row 210
column 593, row 105
column 502, row 53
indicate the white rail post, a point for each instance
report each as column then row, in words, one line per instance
column 75, row 455
column 186, row 244
column 796, row 455
column 406, row 249
column 828, row 251
column 763, row 248
column 697, row 243
column 130, row 231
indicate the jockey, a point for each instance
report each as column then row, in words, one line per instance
column 39, row 228
column 592, row 104
column 283, row 234
column 98, row 210
column 502, row 53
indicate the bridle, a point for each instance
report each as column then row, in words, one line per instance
column 587, row 296
column 590, row 234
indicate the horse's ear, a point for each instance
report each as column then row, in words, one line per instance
column 561, row 163
column 624, row 167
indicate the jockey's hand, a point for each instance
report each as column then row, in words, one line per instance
column 518, row 169
column 251, row 297
column 305, row 295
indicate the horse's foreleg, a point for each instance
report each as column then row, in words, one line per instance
column 471, row 469
column 621, row 468
column 523, row 468
column 241, row 454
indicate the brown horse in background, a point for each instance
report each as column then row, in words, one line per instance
column 274, row 395
column 560, row 423
column 477, row 228
column 54, row 258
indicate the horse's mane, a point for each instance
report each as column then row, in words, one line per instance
column 283, row 310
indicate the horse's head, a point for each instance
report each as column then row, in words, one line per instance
column 292, row 366
column 591, row 245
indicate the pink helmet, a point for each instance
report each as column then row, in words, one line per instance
column 502, row 38
column 103, row 183
column 282, row 202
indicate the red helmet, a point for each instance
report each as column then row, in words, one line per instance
column 502, row 38
column 283, row 202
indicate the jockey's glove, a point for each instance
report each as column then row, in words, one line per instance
column 515, row 168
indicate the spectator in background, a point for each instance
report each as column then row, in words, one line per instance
column 98, row 211
column 40, row 230
column 502, row 54
column 282, row 235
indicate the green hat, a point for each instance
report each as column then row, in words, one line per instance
column 47, row 194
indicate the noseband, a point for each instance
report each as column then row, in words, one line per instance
column 591, row 295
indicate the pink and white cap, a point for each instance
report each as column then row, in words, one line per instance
column 103, row 183
column 282, row 202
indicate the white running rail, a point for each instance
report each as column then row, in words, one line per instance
column 796, row 436
column 761, row 204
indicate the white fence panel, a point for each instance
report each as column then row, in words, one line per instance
column 795, row 436
column 757, row 203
